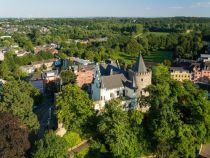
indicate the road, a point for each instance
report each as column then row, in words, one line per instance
column 45, row 114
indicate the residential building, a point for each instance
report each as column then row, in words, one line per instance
column 79, row 61
column 28, row 69
column 180, row 74
column 46, row 48
column 196, row 71
column 37, row 81
column 22, row 53
column 48, row 63
column 50, row 76
column 84, row 75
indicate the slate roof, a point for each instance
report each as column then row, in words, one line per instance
column 113, row 81
column 180, row 69
column 109, row 68
column 140, row 65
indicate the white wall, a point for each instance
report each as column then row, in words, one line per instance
column 107, row 95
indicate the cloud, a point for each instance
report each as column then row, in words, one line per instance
column 176, row 7
column 201, row 5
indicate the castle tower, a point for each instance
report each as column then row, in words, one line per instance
column 142, row 76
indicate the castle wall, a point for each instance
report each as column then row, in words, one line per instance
column 142, row 81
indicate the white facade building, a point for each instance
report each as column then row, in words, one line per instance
column 105, row 88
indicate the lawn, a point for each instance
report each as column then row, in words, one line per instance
column 158, row 33
column 157, row 57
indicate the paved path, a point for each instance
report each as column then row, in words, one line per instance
column 76, row 149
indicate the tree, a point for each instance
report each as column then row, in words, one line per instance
column 67, row 77
column 17, row 97
column 13, row 137
column 114, row 128
column 74, row 108
column 50, row 146
column 133, row 47
column 178, row 117
column 72, row 138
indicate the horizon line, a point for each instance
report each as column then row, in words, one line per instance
column 87, row 17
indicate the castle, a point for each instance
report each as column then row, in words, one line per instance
column 111, row 82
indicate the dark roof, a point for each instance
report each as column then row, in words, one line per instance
column 140, row 66
column 109, row 68
column 181, row 69
column 113, row 81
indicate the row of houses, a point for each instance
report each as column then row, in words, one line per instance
column 29, row 69
column 52, row 48
column 193, row 70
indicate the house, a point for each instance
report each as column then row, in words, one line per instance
column 79, row 61
column 37, row 81
column 38, row 49
column 196, row 71
column 84, row 74
column 27, row 69
column 22, row 53
column 50, row 76
column 45, row 48
column 54, row 45
column 48, row 63
column 51, row 50
column 115, row 85
column 180, row 74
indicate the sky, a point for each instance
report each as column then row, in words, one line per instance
column 104, row 8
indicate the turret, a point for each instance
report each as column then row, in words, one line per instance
column 141, row 75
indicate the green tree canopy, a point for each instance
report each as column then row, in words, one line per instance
column 17, row 97
column 179, row 115
column 74, row 108
column 114, row 128
column 51, row 146
column 67, row 77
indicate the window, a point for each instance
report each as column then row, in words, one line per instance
column 142, row 79
column 118, row 93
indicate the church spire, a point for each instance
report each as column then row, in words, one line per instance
column 140, row 66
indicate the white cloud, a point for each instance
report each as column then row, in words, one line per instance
column 201, row 5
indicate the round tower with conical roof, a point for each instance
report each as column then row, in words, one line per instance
column 141, row 76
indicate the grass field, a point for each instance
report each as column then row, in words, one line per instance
column 158, row 33
column 157, row 57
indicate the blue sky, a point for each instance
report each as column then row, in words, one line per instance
column 102, row 8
